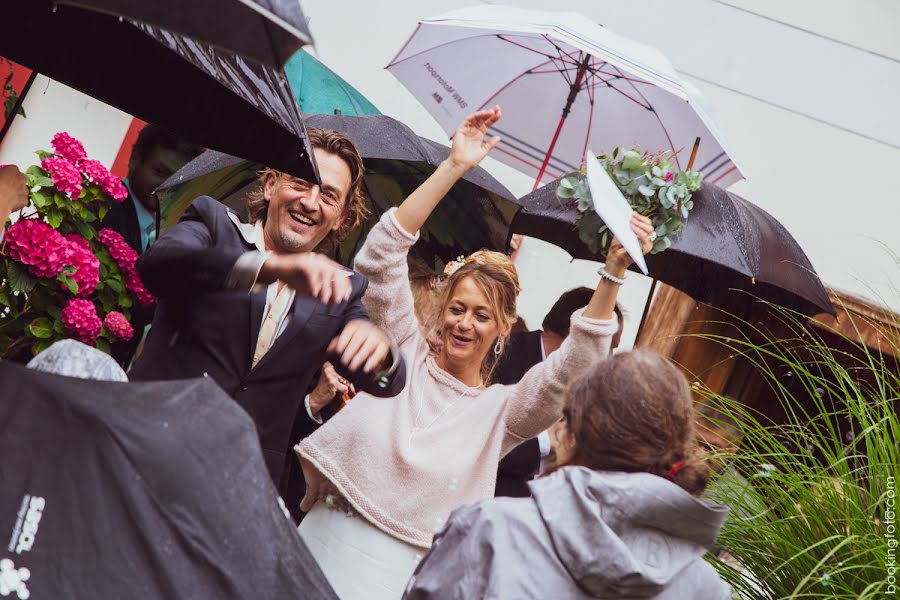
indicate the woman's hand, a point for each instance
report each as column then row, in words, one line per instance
column 469, row 142
column 617, row 258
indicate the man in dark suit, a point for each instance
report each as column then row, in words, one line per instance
column 155, row 156
column 526, row 349
column 258, row 308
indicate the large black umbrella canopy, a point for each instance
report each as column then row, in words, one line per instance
column 141, row 490
column 208, row 96
column 267, row 31
column 730, row 252
column 475, row 214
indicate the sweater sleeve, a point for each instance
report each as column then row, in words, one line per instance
column 382, row 259
column 536, row 402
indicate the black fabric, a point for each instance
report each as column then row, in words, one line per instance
column 238, row 26
column 208, row 96
column 201, row 328
column 523, row 462
column 730, row 252
column 141, row 490
column 293, row 485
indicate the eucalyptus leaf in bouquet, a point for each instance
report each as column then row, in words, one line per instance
column 652, row 187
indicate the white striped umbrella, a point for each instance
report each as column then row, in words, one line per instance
column 612, row 91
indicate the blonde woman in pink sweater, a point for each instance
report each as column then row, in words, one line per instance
column 384, row 474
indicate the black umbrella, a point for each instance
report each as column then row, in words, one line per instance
column 475, row 214
column 140, row 490
column 208, row 96
column 267, row 31
column 727, row 247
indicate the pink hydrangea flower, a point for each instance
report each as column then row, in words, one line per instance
column 38, row 246
column 108, row 182
column 87, row 267
column 94, row 170
column 119, row 326
column 68, row 147
column 79, row 316
column 115, row 188
column 123, row 254
column 134, row 285
column 65, row 175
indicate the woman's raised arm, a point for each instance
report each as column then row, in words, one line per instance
column 470, row 145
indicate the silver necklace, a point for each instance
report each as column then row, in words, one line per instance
column 416, row 428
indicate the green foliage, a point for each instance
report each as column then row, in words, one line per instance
column 650, row 185
column 812, row 519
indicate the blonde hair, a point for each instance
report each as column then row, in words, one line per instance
column 356, row 208
column 495, row 275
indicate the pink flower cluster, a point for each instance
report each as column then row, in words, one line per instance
column 38, row 246
column 79, row 316
column 134, row 285
column 119, row 326
column 108, row 182
column 65, row 175
column 87, row 267
column 68, row 147
column 125, row 256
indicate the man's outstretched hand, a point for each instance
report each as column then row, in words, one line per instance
column 310, row 274
column 13, row 192
column 361, row 345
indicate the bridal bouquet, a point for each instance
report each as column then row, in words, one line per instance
column 652, row 186
column 59, row 276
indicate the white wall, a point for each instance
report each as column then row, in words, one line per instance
column 832, row 188
column 52, row 107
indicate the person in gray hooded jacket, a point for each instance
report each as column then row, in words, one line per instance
column 617, row 517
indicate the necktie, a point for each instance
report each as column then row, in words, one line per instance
column 270, row 324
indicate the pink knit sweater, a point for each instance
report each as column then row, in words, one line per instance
column 405, row 482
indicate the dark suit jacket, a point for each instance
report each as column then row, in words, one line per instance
column 523, row 461
column 200, row 327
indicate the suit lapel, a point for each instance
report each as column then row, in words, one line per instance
column 302, row 309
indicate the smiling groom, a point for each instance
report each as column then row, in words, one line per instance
column 257, row 307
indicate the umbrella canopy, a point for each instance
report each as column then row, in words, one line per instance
column 320, row 90
column 140, row 490
column 565, row 84
column 475, row 214
column 208, row 96
column 728, row 246
column 267, row 31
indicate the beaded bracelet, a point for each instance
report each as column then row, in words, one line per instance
column 604, row 274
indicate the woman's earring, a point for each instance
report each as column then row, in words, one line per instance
column 498, row 347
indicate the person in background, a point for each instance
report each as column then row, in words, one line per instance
column 399, row 466
column 527, row 349
column 619, row 516
column 13, row 193
column 156, row 155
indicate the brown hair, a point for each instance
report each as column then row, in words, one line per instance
column 633, row 412
column 356, row 207
column 495, row 274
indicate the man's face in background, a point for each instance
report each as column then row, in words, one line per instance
column 148, row 172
